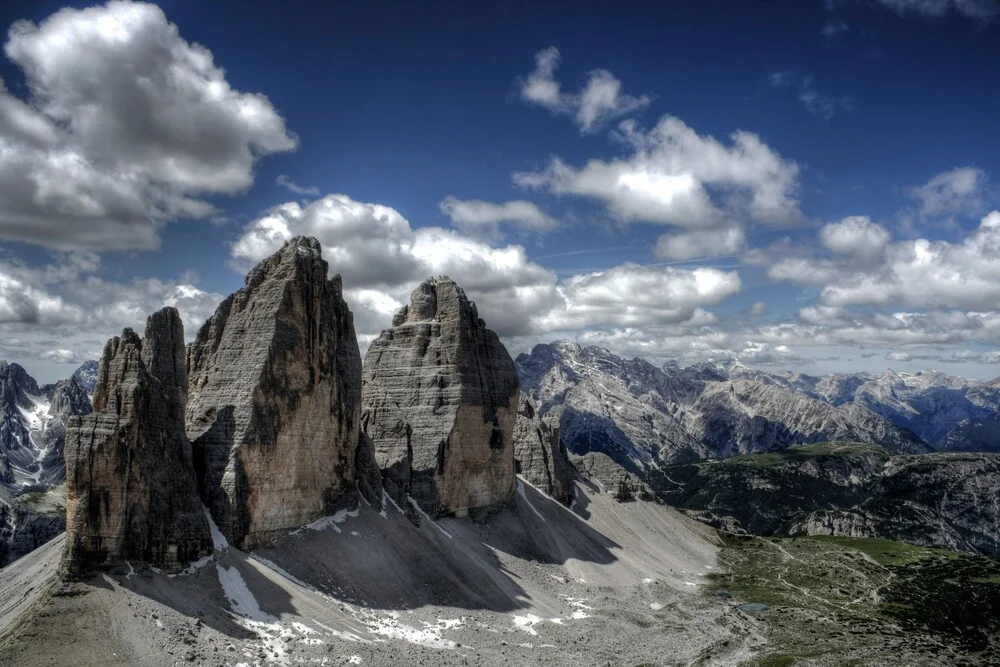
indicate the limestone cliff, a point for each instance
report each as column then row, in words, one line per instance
column 439, row 398
column 131, row 492
column 275, row 390
column 540, row 454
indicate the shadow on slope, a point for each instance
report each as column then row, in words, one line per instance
column 385, row 562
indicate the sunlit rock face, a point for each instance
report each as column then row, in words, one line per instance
column 131, row 492
column 439, row 397
column 275, row 392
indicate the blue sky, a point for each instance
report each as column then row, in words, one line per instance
column 804, row 185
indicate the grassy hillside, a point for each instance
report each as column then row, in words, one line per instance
column 845, row 601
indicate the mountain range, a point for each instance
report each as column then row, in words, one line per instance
column 641, row 415
column 644, row 416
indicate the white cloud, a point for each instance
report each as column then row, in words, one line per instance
column 600, row 100
column 290, row 185
column 62, row 356
column 634, row 295
column 517, row 298
column 930, row 274
column 856, row 237
column 959, row 191
column 898, row 356
column 486, row 220
column 370, row 244
column 126, row 125
column 978, row 10
column 65, row 312
column 22, row 303
column 668, row 177
column 698, row 244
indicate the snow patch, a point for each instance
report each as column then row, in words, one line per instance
column 430, row 636
column 218, row 539
column 193, row 567
column 527, row 623
column 424, row 515
column 241, row 600
column 524, row 496
column 329, row 522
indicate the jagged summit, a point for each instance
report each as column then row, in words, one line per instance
column 274, row 397
column 131, row 491
column 439, row 401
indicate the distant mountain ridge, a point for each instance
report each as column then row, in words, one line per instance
column 643, row 415
column 32, row 440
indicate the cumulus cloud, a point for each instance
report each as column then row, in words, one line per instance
column 856, row 237
column 64, row 312
column 62, row 356
column 486, row 220
column 22, row 303
column 699, row 244
column 518, row 298
column 634, row 295
column 601, row 99
column 930, row 274
column 125, row 125
column 672, row 174
column 959, row 191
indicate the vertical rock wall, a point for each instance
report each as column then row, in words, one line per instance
column 439, row 399
column 131, row 490
column 274, row 398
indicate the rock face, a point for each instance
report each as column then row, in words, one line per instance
column 274, row 398
column 855, row 490
column 66, row 399
column 540, row 455
column 439, row 396
column 17, row 455
column 610, row 477
column 131, row 491
column 86, row 376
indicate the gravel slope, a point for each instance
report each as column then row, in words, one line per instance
column 536, row 584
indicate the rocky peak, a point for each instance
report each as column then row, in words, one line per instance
column 86, row 375
column 68, row 397
column 274, row 396
column 439, row 403
column 131, row 491
column 16, row 386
